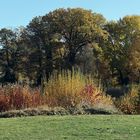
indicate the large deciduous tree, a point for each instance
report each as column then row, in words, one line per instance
column 76, row 29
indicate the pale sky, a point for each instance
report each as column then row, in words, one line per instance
column 14, row 13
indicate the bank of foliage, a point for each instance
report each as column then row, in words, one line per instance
column 67, row 89
column 60, row 41
column 66, row 38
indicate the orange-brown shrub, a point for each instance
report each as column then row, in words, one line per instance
column 130, row 103
column 19, row 97
column 4, row 102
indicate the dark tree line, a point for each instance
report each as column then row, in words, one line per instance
column 67, row 38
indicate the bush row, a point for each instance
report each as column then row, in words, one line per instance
column 66, row 89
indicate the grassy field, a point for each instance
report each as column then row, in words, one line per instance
column 97, row 127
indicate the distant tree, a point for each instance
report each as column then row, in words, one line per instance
column 41, row 46
column 134, row 61
column 7, row 55
column 121, row 35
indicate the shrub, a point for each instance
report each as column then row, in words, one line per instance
column 4, row 102
column 64, row 89
column 68, row 89
column 130, row 103
column 19, row 97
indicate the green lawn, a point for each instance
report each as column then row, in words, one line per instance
column 96, row 127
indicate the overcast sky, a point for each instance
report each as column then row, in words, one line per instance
column 14, row 13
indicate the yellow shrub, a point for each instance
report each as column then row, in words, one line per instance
column 69, row 89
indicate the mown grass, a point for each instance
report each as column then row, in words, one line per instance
column 86, row 127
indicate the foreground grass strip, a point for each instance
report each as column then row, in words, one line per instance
column 86, row 127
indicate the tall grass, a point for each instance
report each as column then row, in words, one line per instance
column 64, row 89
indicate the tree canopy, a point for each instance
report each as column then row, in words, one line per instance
column 73, row 37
